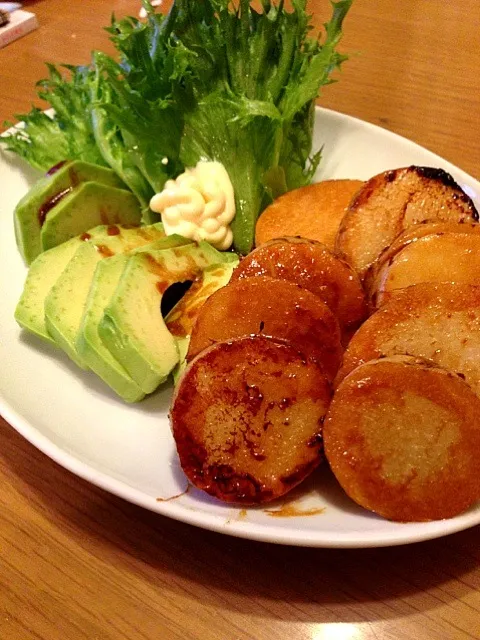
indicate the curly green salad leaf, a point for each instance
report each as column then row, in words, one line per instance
column 212, row 80
column 47, row 139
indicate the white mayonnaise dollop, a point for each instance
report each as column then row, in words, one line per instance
column 199, row 205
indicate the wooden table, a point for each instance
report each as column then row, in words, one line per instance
column 77, row 563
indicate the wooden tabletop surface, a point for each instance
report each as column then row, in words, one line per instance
column 78, row 563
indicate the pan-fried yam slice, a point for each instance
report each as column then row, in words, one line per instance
column 439, row 322
column 314, row 212
column 403, row 438
column 246, row 418
column 411, row 234
column 449, row 257
column 275, row 308
column 392, row 201
column 314, row 267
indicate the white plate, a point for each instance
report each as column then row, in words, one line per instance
column 128, row 450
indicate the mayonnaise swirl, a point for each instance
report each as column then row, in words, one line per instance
column 199, row 204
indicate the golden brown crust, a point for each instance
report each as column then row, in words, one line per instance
column 449, row 257
column 402, row 438
column 439, row 322
column 391, row 202
column 271, row 307
column 247, row 419
column 313, row 212
column 314, row 267
column 411, row 234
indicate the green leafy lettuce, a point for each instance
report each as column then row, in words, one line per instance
column 67, row 133
column 211, row 80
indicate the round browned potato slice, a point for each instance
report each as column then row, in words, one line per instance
column 247, row 419
column 275, row 308
column 392, row 201
column 402, row 438
column 314, row 267
column 313, row 212
column 439, row 322
column 445, row 257
column 411, row 234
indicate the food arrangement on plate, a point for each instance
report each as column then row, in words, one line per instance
column 343, row 324
column 401, row 432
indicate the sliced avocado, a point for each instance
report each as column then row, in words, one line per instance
column 42, row 275
column 32, row 209
column 132, row 326
column 89, row 344
column 88, row 205
column 66, row 300
column 182, row 317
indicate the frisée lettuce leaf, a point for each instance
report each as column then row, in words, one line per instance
column 109, row 138
column 44, row 140
column 255, row 80
column 211, row 80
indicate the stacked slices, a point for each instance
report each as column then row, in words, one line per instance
column 403, row 431
column 247, row 413
column 99, row 297
column 253, row 413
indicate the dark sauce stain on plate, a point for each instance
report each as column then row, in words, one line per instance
column 178, row 495
column 239, row 517
column 292, row 510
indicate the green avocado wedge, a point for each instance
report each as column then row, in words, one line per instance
column 182, row 317
column 89, row 344
column 132, row 327
column 33, row 208
column 65, row 302
column 42, row 275
column 88, row 205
